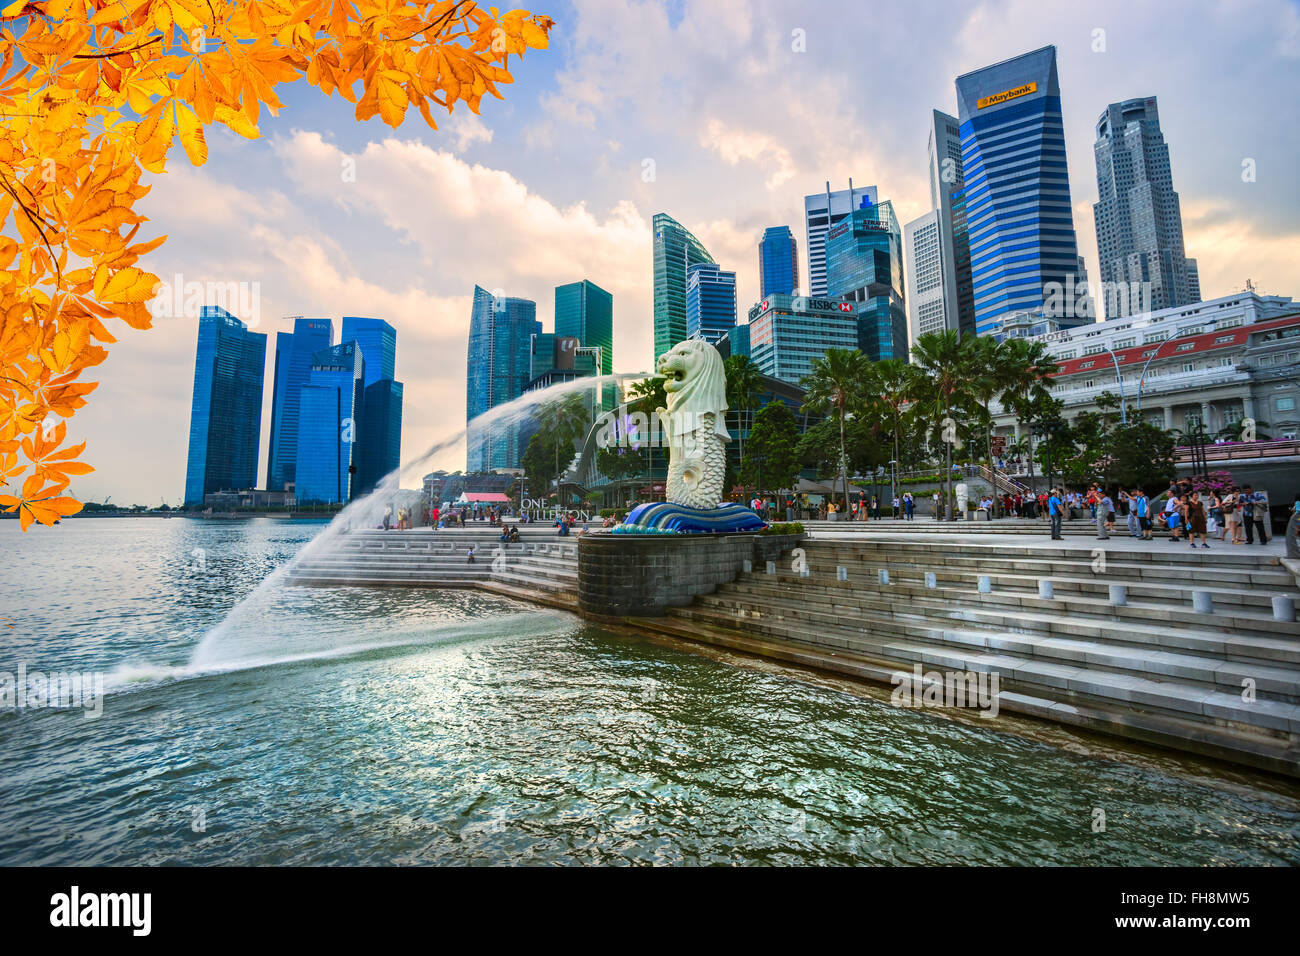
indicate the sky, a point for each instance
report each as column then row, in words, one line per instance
column 721, row 113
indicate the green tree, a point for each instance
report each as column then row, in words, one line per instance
column 837, row 383
column 1142, row 455
column 941, row 373
column 772, row 460
column 1028, row 369
column 744, row 388
column 618, row 464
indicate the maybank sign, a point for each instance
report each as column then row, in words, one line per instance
column 1005, row 95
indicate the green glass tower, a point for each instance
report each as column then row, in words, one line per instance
column 585, row 311
column 675, row 250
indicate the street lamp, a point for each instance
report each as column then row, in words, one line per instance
column 893, row 478
column 1142, row 379
column 1119, row 380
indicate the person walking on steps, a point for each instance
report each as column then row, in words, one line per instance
column 1054, row 510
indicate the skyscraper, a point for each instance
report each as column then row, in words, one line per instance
column 926, row 300
column 675, row 249
column 778, row 262
column 585, row 311
column 379, row 442
column 1017, row 188
column 821, row 211
column 1139, row 220
column 787, row 333
column 226, row 409
column 710, row 301
column 329, row 426
column 499, row 360
column 293, row 355
column 864, row 264
column 378, row 342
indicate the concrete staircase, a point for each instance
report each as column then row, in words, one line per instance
column 1153, row 669
column 542, row 567
column 925, row 524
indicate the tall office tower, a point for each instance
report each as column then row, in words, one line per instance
column 787, row 333
column 501, row 331
column 378, row 342
column 710, row 302
column 675, row 250
column 947, row 198
column 585, row 311
column 226, row 410
column 330, row 425
column 1193, row 282
column 379, row 445
column 1139, row 221
column 927, row 301
column 293, row 354
column 778, row 262
column 864, row 264
column 821, row 211
column 1017, row 189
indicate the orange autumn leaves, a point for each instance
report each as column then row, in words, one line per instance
column 95, row 92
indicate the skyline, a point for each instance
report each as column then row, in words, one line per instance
column 493, row 199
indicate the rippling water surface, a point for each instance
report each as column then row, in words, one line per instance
column 415, row 726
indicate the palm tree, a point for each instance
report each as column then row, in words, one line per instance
column 1028, row 366
column 744, row 388
column 568, row 419
column 941, row 372
column 991, row 375
column 837, row 382
column 892, row 384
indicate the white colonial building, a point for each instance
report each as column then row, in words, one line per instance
column 1212, row 363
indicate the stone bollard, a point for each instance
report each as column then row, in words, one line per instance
column 931, row 581
column 771, row 567
column 1118, row 595
column 747, row 566
column 883, row 575
column 986, row 584
column 1283, row 608
column 1045, row 590
column 841, row 573
column 1202, row 602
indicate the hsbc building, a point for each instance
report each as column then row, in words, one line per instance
column 787, row 332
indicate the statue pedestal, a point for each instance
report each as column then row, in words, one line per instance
column 667, row 516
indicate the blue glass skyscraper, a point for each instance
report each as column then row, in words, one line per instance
column 710, row 301
column 498, row 363
column 378, row 341
column 778, row 262
column 585, row 311
column 329, row 426
column 226, row 409
column 1017, row 189
column 293, row 355
column 864, row 264
column 379, row 444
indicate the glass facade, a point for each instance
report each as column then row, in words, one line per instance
column 226, row 409
column 379, row 450
column 778, row 262
column 378, row 341
column 585, row 311
column 864, row 264
column 710, row 302
column 329, row 425
column 786, row 333
column 1017, row 188
column 501, row 331
column 293, row 354
column 675, row 250
column 821, row 212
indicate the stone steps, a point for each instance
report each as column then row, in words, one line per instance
column 1190, row 700
column 1207, row 639
column 1273, row 751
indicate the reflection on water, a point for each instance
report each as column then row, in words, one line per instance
column 376, row 726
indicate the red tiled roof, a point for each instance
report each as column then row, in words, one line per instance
column 1201, row 344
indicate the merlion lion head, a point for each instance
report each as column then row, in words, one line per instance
column 693, row 378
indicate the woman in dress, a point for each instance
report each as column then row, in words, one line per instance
column 1194, row 519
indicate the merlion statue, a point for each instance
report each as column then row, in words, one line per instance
column 694, row 427
column 694, row 423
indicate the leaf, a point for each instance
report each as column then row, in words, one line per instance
column 192, row 138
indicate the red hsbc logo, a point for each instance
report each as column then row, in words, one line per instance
column 846, row 307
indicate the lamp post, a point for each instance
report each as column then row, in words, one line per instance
column 1142, row 379
column 1119, row 380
